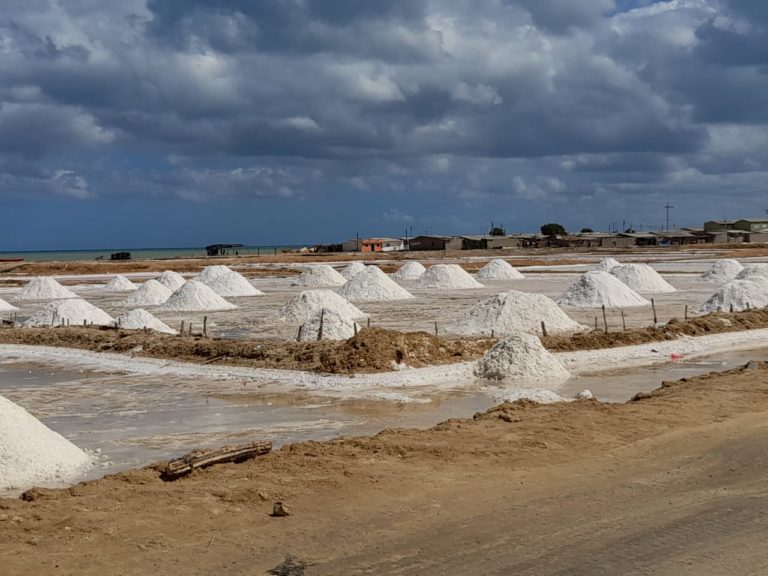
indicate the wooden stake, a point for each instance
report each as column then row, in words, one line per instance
column 435, row 328
column 190, row 328
column 493, row 333
column 298, row 337
column 655, row 318
column 205, row 326
column 731, row 307
column 320, row 330
column 686, row 311
column 369, row 321
column 543, row 329
column 595, row 323
column 181, row 331
column 623, row 321
column 605, row 320
column 354, row 325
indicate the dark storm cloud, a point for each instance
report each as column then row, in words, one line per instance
column 532, row 99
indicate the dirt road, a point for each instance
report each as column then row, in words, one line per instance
column 669, row 484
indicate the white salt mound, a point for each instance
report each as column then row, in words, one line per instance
column 335, row 327
column 409, row 271
column 31, row 454
column 642, row 278
column 319, row 275
column 446, row 277
column 722, row 271
column 352, row 269
column 585, row 395
column 754, row 272
column 607, row 264
column 6, row 307
column 739, row 294
column 226, row 282
column 151, row 293
column 521, row 357
column 372, row 285
column 120, row 284
column 512, row 312
column 195, row 296
column 596, row 288
column 44, row 288
column 309, row 303
column 73, row 311
column 140, row 319
column 498, row 270
column 171, row 280
column 512, row 394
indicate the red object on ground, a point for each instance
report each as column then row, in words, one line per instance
column 677, row 356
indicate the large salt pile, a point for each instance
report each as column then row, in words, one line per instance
column 44, row 288
column 722, row 271
column 120, row 284
column 195, row 296
column 512, row 312
column 607, row 264
column 319, row 275
column 171, row 280
column 596, row 288
column 410, row 271
column 335, row 327
column 641, row 278
column 309, row 303
column 521, row 357
column 226, row 282
column 754, row 272
column 73, row 311
column 6, row 307
column 498, row 270
column 372, row 285
column 31, row 454
column 738, row 294
column 140, row 319
column 352, row 269
column 446, row 277
column 151, row 293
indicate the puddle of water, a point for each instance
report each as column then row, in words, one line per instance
column 136, row 420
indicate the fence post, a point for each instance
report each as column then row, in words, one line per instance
column 653, row 306
column 543, row 328
column 605, row 320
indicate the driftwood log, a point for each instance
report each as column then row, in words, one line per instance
column 204, row 458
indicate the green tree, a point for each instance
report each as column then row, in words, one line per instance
column 553, row 229
column 497, row 231
column 587, row 230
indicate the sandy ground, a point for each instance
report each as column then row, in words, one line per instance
column 670, row 484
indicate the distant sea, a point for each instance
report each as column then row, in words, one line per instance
column 136, row 253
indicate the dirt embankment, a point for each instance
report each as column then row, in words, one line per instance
column 669, row 484
column 372, row 350
column 718, row 323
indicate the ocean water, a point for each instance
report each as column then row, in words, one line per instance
column 136, row 253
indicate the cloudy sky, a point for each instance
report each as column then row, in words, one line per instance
column 182, row 122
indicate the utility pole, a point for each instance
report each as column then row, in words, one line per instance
column 668, row 207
